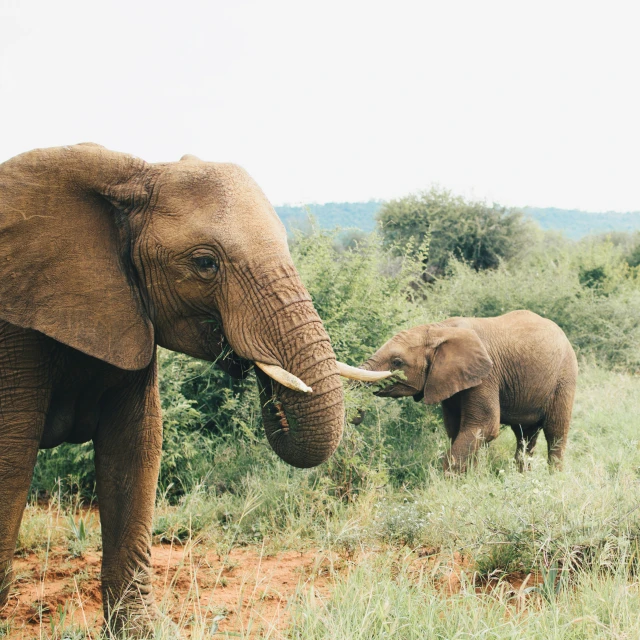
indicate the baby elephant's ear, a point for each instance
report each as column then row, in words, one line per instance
column 460, row 361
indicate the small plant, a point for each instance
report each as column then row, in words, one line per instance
column 401, row 523
column 62, row 627
column 79, row 528
column 553, row 581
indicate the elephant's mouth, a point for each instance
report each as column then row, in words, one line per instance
column 279, row 420
column 398, row 390
column 273, row 409
column 228, row 360
column 277, row 415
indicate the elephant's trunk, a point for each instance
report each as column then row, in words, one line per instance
column 304, row 429
column 284, row 335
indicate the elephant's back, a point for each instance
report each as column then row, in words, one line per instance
column 532, row 357
column 523, row 329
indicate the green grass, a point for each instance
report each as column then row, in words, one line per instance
column 384, row 597
column 585, row 520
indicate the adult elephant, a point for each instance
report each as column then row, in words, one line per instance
column 104, row 256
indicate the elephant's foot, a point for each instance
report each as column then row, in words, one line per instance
column 6, row 580
column 135, row 615
column 121, row 623
column 134, row 626
column 453, row 466
column 555, row 463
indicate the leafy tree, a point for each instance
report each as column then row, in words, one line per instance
column 472, row 231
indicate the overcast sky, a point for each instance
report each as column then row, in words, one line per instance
column 521, row 102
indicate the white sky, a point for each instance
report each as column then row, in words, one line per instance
column 523, row 102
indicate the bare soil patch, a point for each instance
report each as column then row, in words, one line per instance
column 247, row 591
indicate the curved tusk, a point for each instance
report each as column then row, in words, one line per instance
column 353, row 373
column 285, row 378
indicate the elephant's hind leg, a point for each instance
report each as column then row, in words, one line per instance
column 526, row 438
column 24, row 398
column 556, row 425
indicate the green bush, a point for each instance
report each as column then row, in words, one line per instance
column 472, row 231
column 363, row 294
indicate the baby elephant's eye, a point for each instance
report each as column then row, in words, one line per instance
column 206, row 265
column 397, row 363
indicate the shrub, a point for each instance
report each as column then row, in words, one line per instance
column 363, row 294
column 472, row 231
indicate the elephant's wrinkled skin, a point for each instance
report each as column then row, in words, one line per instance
column 517, row 369
column 104, row 256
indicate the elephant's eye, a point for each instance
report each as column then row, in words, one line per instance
column 396, row 363
column 206, row 265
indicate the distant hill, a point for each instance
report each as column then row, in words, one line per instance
column 577, row 224
column 360, row 215
column 573, row 223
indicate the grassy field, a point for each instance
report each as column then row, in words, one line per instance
column 492, row 554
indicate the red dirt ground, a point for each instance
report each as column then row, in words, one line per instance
column 246, row 591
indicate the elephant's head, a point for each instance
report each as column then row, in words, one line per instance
column 111, row 255
column 437, row 362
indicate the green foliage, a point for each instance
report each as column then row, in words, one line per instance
column 633, row 257
column 363, row 295
column 474, row 232
column 203, row 408
column 81, row 527
column 68, row 464
column 577, row 532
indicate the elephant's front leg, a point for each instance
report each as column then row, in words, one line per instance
column 19, row 437
column 128, row 446
column 479, row 424
column 25, row 394
column 451, row 416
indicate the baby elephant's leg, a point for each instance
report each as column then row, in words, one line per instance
column 451, row 418
column 526, row 438
column 479, row 424
column 558, row 412
column 556, row 431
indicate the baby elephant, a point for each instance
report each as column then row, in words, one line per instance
column 517, row 369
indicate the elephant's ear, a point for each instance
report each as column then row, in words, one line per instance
column 64, row 250
column 460, row 361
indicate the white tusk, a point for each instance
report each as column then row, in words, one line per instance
column 285, row 378
column 353, row 373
